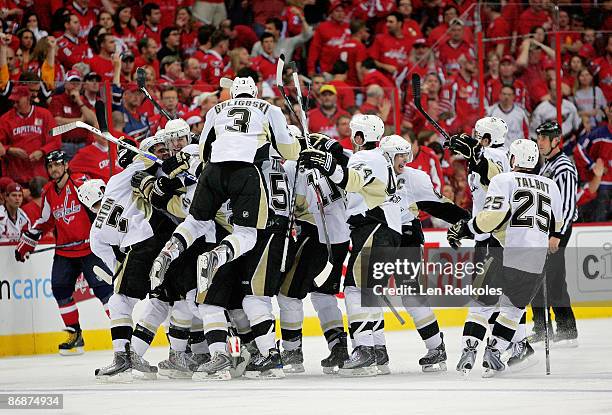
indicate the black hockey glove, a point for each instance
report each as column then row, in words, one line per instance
column 457, row 232
column 466, row 146
column 319, row 160
column 176, row 165
column 143, row 183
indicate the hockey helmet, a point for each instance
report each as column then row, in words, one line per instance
column 493, row 128
column 178, row 135
column 549, row 129
column 524, row 154
column 91, row 192
column 371, row 126
column 148, row 143
column 124, row 155
column 56, row 156
column 243, row 86
column 392, row 145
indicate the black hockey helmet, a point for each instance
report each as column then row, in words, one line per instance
column 55, row 156
column 125, row 156
column 550, row 129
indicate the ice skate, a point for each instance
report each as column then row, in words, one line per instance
column 468, row 357
column 435, row 359
column 120, row 371
column 361, row 363
column 218, row 368
column 197, row 359
column 74, row 345
column 565, row 338
column 539, row 332
column 139, row 364
column 265, row 367
column 293, row 361
column 176, row 366
column 382, row 360
column 491, row 361
column 521, row 356
column 337, row 356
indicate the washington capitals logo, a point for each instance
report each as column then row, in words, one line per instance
column 65, row 212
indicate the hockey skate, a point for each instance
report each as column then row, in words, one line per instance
column 120, row 371
column 539, row 333
column 521, row 356
column 176, row 366
column 491, row 361
column 361, row 363
column 197, row 359
column 382, row 360
column 73, row 346
column 468, row 357
column 337, row 356
column 140, row 365
column 565, row 338
column 218, row 368
column 293, row 361
column 208, row 264
column 265, row 367
column 435, row 359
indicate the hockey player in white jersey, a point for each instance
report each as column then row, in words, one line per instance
column 520, row 210
column 126, row 234
column 310, row 260
column 375, row 223
column 415, row 192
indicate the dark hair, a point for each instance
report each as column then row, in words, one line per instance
column 100, row 39
column 397, row 15
column 116, row 22
column 495, row 6
column 26, row 17
column 368, row 63
column 450, row 6
column 168, row 88
column 246, row 72
column 28, row 76
column 66, row 19
column 278, row 23
column 36, row 185
column 356, row 26
column 148, row 8
column 204, row 33
column 142, row 43
column 57, row 21
column 20, row 33
column 92, row 38
column 339, row 68
column 217, row 37
column 166, row 32
column 265, row 35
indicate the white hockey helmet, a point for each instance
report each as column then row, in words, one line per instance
column 525, row 154
column 243, row 86
column 91, row 192
column 392, row 145
column 148, row 143
column 493, row 128
column 371, row 126
column 178, row 135
column 294, row 131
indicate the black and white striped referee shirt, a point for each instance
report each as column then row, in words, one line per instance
column 563, row 172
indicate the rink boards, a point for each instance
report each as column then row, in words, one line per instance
column 30, row 322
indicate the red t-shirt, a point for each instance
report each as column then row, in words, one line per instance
column 69, row 217
column 320, row 123
column 212, row 65
column 70, row 51
column 144, row 30
column 463, row 94
column 265, row 66
column 93, row 161
column 101, row 66
column 29, row 133
column 355, row 52
column 498, row 28
column 326, row 45
column 87, row 18
column 62, row 106
column 529, row 19
column 494, row 87
column 245, row 37
column 390, row 50
column 450, row 53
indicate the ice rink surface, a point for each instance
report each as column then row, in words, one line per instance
column 580, row 383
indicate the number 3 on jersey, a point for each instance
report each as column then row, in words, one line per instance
column 241, row 117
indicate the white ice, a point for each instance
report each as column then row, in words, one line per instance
column 580, row 383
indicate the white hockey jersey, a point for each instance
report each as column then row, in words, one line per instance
column 371, row 184
column 519, row 209
column 277, row 184
column 11, row 231
column 236, row 129
column 414, row 185
column 306, row 208
column 498, row 156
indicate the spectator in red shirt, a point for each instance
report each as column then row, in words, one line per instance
column 411, row 27
column 127, row 67
column 169, row 102
column 534, row 15
column 91, row 89
column 438, row 34
column 328, row 39
column 454, row 47
column 147, row 49
column 354, row 52
column 94, row 161
column 239, row 35
column 533, row 61
column 498, row 27
column 507, row 70
column 213, row 62
column 171, row 42
column 391, row 51
column 343, row 127
column 377, row 104
column 188, row 29
column 346, row 93
column 150, row 28
column 69, row 107
column 71, row 49
column 102, row 62
column 323, row 119
column 24, row 137
column 463, row 94
column 603, row 69
column 124, row 27
column 371, row 75
column 33, row 208
column 265, row 62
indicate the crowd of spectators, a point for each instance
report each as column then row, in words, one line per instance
column 58, row 58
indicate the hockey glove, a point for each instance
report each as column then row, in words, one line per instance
column 319, row 160
column 457, row 232
column 143, row 183
column 26, row 245
column 176, row 165
column 466, row 146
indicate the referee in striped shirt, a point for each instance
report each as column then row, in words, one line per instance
column 559, row 168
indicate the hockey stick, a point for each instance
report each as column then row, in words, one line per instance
column 324, row 274
column 416, row 92
column 141, row 78
column 546, row 321
column 280, row 67
column 66, row 245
